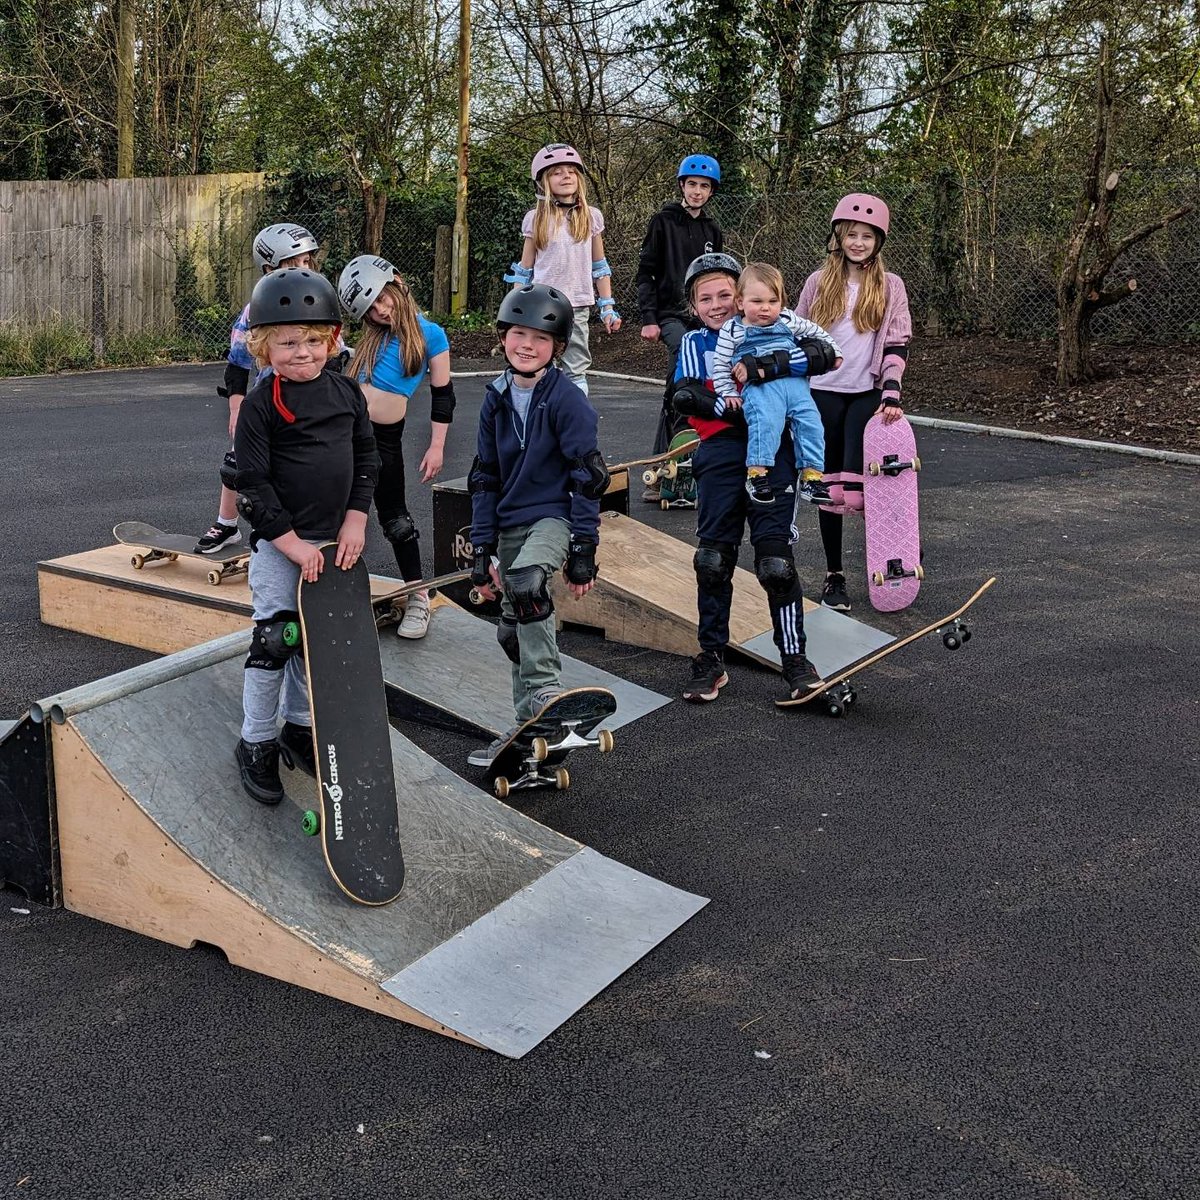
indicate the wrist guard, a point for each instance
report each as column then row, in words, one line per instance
column 481, row 576
column 581, row 567
column 820, row 354
column 890, row 393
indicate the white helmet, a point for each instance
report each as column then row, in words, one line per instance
column 277, row 242
column 361, row 281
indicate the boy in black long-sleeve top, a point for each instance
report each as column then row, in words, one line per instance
column 307, row 467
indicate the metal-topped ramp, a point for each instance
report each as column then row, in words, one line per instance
column 504, row 928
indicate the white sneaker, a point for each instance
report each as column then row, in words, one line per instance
column 415, row 622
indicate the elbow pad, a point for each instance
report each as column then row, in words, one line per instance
column 692, row 399
column 483, row 477
column 820, row 354
column 593, row 468
column 441, row 407
column 600, row 268
column 237, row 381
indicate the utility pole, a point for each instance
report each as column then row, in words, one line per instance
column 458, row 269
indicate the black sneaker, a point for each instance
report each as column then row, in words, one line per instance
column 800, row 675
column 219, row 535
column 708, row 677
column 815, row 491
column 833, row 594
column 296, row 748
column 759, row 490
column 259, row 766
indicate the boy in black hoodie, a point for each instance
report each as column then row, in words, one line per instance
column 678, row 233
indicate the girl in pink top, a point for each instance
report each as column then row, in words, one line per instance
column 564, row 249
column 864, row 308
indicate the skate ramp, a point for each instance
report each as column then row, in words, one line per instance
column 503, row 930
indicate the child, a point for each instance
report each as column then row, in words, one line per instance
column 722, row 509
column 760, row 349
column 564, row 249
column 398, row 348
column 274, row 247
column 677, row 234
column 535, row 487
column 306, row 469
column 865, row 308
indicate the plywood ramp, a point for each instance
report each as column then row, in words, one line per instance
column 503, row 930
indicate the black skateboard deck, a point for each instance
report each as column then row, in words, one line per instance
column 358, row 821
column 158, row 546
column 838, row 694
column 533, row 755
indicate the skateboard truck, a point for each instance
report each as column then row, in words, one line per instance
column 535, row 775
column 955, row 633
column 895, row 570
column 892, row 465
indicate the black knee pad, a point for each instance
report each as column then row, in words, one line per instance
column 274, row 641
column 714, row 566
column 531, row 600
column 506, row 635
column 777, row 574
column 229, row 471
column 400, row 529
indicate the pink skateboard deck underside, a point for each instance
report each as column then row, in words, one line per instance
column 890, row 509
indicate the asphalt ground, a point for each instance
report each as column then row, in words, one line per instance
column 951, row 949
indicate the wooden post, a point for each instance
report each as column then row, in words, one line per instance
column 458, row 276
column 98, row 314
column 442, row 269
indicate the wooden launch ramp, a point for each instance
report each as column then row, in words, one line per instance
column 503, row 930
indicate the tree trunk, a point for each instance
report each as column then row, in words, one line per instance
column 375, row 202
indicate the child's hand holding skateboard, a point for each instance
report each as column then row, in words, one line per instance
column 307, row 557
column 351, row 538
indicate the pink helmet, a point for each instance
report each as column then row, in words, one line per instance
column 554, row 155
column 870, row 210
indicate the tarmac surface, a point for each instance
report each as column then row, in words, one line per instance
column 952, row 948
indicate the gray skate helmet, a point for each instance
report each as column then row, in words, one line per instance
column 537, row 306
column 277, row 242
column 708, row 264
column 361, row 281
column 294, row 296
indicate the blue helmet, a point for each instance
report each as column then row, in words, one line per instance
column 700, row 166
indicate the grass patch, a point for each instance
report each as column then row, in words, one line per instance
column 47, row 349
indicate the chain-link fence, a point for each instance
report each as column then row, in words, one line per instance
column 982, row 259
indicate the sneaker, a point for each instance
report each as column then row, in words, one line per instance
column 815, row 491
column 800, row 675
column 258, row 763
column 833, row 593
column 484, row 755
column 759, row 490
column 652, row 495
column 219, row 535
column 543, row 697
column 708, row 677
column 415, row 622
column 296, row 748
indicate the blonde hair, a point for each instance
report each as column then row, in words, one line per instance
column 764, row 273
column 548, row 217
column 404, row 325
column 829, row 305
column 258, row 340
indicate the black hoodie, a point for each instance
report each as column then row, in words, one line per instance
column 673, row 239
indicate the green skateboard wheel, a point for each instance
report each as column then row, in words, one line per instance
column 311, row 822
column 291, row 633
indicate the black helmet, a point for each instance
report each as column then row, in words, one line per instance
column 708, row 264
column 537, row 306
column 294, row 296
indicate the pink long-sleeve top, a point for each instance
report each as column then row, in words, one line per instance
column 894, row 332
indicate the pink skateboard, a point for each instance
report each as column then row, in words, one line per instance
column 890, row 467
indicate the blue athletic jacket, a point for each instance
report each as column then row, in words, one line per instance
column 524, row 473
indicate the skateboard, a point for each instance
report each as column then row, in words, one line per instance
column 683, row 448
column 890, row 469
column 388, row 612
column 357, row 820
column 838, row 694
column 167, row 547
column 673, row 475
column 534, row 753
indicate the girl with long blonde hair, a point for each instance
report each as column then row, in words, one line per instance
column 864, row 308
column 564, row 249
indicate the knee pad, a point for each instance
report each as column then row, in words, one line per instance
column 777, row 574
column 506, row 635
column 400, row 529
column 229, row 471
column 714, row 566
column 274, row 641
column 530, row 597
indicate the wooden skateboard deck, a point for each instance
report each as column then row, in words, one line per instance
column 167, row 547
column 387, row 612
column 358, row 822
column 836, row 692
column 672, row 451
column 533, row 755
column 890, row 469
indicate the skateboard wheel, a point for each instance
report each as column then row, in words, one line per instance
column 539, row 748
column 877, row 578
column 916, row 462
column 500, row 787
column 919, row 571
column 311, row 822
column 562, row 779
column 951, row 640
column 664, row 505
column 606, row 741
column 172, row 557
column 966, row 634
column 873, row 468
column 649, row 476
column 214, row 577
column 671, row 470
column 138, row 561
column 834, row 708
column 291, row 633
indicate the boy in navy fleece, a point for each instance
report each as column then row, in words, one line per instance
column 535, row 486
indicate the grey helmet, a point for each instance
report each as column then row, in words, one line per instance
column 537, row 306
column 361, row 281
column 294, row 296
column 277, row 242
column 708, row 264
